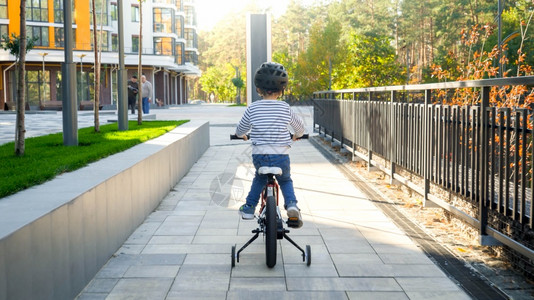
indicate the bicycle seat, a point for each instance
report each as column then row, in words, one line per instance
column 270, row 170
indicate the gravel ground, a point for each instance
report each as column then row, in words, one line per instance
column 460, row 239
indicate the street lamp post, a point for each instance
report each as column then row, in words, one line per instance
column 44, row 85
column 81, row 56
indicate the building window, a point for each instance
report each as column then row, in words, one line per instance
column 3, row 9
column 37, row 10
column 3, row 30
column 179, row 53
column 190, row 16
column 135, row 13
column 59, row 37
column 103, row 40
column 191, row 57
column 114, row 42
column 163, row 20
column 171, row 2
column 59, row 88
column 179, row 5
column 37, row 87
column 101, row 13
column 59, row 11
column 179, row 24
column 163, row 46
column 39, row 32
column 114, row 11
column 85, row 83
column 135, row 44
column 190, row 37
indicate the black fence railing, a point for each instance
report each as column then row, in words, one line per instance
column 481, row 154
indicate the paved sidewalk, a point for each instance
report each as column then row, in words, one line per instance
column 182, row 250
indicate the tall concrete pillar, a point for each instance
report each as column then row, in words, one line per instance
column 258, row 49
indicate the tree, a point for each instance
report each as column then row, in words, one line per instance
column 314, row 70
column 97, row 64
column 18, row 46
column 140, row 66
column 239, row 84
column 371, row 62
column 218, row 80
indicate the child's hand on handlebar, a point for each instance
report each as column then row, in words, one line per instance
column 295, row 138
column 245, row 137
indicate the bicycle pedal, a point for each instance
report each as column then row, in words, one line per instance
column 293, row 223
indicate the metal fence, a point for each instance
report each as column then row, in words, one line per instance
column 482, row 154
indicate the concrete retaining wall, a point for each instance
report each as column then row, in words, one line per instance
column 56, row 236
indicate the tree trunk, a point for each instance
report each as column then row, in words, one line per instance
column 20, row 130
column 97, row 69
column 140, row 67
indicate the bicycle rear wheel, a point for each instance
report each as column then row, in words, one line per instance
column 270, row 231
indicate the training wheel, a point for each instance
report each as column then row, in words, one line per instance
column 308, row 255
column 233, row 256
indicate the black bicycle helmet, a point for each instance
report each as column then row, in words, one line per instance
column 271, row 77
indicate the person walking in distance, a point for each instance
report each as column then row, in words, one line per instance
column 133, row 89
column 146, row 94
column 268, row 121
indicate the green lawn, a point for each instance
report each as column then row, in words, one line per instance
column 46, row 157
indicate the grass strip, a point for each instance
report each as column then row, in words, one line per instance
column 46, row 157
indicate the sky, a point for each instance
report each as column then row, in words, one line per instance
column 209, row 12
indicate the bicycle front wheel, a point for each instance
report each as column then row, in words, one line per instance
column 270, row 231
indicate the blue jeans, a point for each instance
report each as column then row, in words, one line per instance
column 259, row 181
column 146, row 105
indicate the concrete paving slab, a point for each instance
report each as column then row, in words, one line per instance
column 92, row 296
column 284, row 295
column 343, row 284
column 144, row 271
column 314, row 270
column 202, row 278
column 438, row 295
column 141, row 288
column 258, row 284
column 104, row 285
column 426, row 284
column 196, row 295
column 378, row 296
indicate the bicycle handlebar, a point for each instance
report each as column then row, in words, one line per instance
column 235, row 137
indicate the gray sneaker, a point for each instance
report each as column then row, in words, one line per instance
column 247, row 211
column 294, row 219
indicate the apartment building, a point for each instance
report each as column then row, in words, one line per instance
column 169, row 48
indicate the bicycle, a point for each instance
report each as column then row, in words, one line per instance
column 270, row 219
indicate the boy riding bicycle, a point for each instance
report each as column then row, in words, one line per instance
column 268, row 120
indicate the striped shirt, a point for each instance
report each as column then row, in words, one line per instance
column 268, row 122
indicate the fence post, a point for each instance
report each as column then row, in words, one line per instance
column 353, row 104
column 314, row 101
column 426, row 150
column 393, row 144
column 332, row 97
column 370, row 167
column 343, row 111
column 483, row 183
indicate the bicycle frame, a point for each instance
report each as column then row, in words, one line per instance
column 271, row 189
